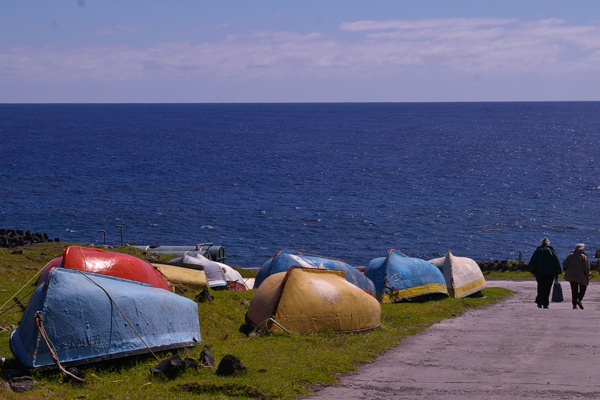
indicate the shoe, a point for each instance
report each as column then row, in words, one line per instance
column 574, row 307
column 546, row 307
column 539, row 306
column 579, row 304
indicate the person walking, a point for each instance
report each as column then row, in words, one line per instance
column 577, row 273
column 544, row 266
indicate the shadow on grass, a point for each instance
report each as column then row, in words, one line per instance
column 425, row 298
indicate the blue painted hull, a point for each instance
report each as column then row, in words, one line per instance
column 85, row 325
column 398, row 277
column 285, row 259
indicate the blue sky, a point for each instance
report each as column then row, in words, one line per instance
column 303, row 51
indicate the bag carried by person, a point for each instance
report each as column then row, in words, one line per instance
column 557, row 295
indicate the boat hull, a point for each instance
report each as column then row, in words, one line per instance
column 285, row 259
column 91, row 317
column 398, row 277
column 218, row 275
column 308, row 300
column 463, row 275
column 106, row 263
column 190, row 278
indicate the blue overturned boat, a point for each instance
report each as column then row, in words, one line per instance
column 285, row 259
column 85, row 317
column 399, row 277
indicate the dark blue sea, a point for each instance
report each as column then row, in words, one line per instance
column 349, row 181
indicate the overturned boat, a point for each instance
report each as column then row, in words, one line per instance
column 313, row 300
column 79, row 317
column 285, row 259
column 218, row 275
column 399, row 277
column 193, row 279
column 463, row 275
column 106, row 263
column 208, row 250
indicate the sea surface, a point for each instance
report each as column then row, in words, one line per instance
column 347, row 180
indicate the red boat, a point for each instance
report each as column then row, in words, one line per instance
column 107, row 263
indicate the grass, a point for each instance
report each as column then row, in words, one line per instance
column 508, row 275
column 279, row 365
column 524, row 275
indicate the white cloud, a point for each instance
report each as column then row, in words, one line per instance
column 362, row 49
column 435, row 23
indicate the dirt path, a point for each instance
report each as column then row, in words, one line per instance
column 511, row 350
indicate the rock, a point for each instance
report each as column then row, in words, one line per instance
column 206, row 359
column 204, row 296
column 21, row 384
column 230, row 365
column 169, row 367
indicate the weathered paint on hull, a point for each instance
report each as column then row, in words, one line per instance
column 190, row 278
column 86, row 325
column 399, row 277
column 314, row 300
column 414, row 291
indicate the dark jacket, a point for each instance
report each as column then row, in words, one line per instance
column 544, row 261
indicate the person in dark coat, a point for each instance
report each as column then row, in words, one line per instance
column 577, row 273
column 544, row 266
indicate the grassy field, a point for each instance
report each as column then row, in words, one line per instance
column 595, row 276
column 279, row 365
column 508, row 275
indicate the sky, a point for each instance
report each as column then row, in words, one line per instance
column 229, row 51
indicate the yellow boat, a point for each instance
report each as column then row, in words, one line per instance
column 190, row 278
column 313, row 300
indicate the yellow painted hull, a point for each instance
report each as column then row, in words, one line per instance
column 312, row 300
column 411, row 292
column 190, row 278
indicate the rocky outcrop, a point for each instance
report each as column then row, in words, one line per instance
column 16, row 237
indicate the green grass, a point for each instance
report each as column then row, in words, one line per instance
column 279, row 365
column 508, row 275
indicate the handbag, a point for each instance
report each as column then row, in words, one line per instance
column 557, row 295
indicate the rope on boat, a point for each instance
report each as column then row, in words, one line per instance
column 121, row 311
column 16, row 304
column 51, row 349
column 23, row 287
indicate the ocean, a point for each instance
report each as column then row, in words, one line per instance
column 343, row 180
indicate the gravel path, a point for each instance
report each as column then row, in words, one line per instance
column 510, row 350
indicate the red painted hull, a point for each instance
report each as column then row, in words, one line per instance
column 235, row 286
column 107, row 263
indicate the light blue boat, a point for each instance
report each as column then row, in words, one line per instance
column 90, row 317
column 285, row 259
column 399, row 277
